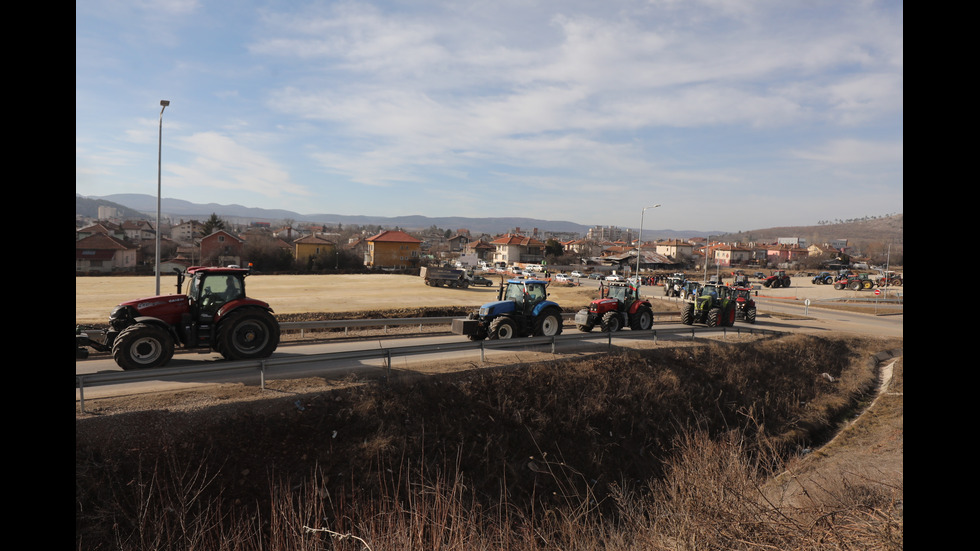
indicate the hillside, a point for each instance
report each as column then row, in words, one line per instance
column 875, row 232
column 872, row 232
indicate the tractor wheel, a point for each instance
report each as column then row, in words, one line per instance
column 730, row 316
column 855, row 286
column 750, row 315
column 502, row 328
column 687, row 314
column 478, row 336
column 786, row 283
column 585, row 328
column 714, row 317
column 642, row 320
column 867, row 284
column 548, row 324
column 247, row 334
column 611, row 322
column 464, row 284
column 838, row 285
column 767, row 283
column 141, row 346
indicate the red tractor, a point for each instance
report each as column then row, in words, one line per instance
column 776, row 280
column 619, row 305
column 853, row 281
column 214, row 314
column 744, row 304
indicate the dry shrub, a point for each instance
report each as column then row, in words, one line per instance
column 658, row 449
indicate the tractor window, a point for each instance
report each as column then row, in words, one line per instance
column 536, row 293
column 515, row 293
column 618, row 293
column 217, row 290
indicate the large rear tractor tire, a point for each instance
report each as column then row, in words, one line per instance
column 611, row 322
column 687, row 314
column 642, row 320
column 142, row 346
column 855, row 286
column 548, row 324
column 247, row 334
column 502, row 328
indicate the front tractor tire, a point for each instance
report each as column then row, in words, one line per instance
column 611, row 322
column 247, row 334
column 142, row 346
column 687, row 314
column 750, row 315
column 549, row 324
column 503, row 328
column 714, row 317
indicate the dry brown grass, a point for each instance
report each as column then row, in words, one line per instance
column 672, row 448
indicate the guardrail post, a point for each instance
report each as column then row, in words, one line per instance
column 388, row 364
column 262, row 374
column 609, row 341
column 553, row 340
column 81, row 393
column 483, row 353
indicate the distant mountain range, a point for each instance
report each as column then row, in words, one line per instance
column 135, row 205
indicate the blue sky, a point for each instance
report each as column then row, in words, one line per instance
column 730, row 114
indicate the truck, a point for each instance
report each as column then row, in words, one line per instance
column 444, row 277
column 522, row 309
column 214, row 314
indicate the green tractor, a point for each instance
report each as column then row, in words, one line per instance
column 714, row 305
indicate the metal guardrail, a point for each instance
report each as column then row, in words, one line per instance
column 98, row 379
column 384, row 323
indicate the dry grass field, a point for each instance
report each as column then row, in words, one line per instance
column 297, row 294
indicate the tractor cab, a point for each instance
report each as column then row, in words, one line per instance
column 623, row 293
column 526, row 294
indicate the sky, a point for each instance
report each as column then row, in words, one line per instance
column 729, row 114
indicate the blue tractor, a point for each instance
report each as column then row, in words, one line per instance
column 521, row 310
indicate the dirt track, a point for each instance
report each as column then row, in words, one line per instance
column 295, row 294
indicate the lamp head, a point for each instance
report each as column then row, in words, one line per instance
column 164, row 102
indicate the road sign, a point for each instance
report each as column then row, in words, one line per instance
column 877, row 292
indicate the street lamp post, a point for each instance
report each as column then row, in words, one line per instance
column 639, row 241
column 156, row 269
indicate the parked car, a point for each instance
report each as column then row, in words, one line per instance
column 577, row 273
column 615, row 277
column 480, row 280
column 562, row 278
column 595, row 276
column 760, row 275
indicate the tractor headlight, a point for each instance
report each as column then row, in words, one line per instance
column 121, row 317
column 484, row 311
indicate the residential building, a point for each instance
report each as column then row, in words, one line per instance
column 186, row 232
column 513, row 249
column 100, row 252
column 393, row 249
column 221, row 248
column 310, row 246
column 675, row 248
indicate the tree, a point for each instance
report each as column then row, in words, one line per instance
column 212, row 225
